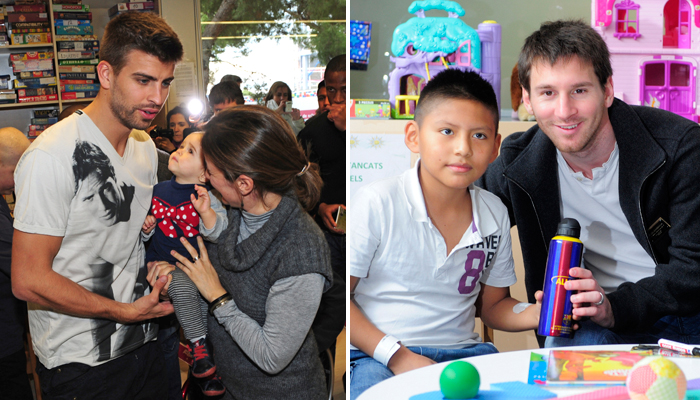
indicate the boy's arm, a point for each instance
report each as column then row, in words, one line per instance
column 365, row 336
column 495, row 308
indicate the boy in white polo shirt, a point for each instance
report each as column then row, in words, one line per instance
column 429, row 250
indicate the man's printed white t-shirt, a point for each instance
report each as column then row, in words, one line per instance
column 72, row 183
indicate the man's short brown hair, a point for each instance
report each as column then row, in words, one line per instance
column 144, row 31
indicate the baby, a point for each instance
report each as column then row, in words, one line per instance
column 178, row 212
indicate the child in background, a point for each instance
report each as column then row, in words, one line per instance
column 277, row 99
column 179, row 213
column 429, row 250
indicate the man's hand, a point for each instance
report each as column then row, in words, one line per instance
column 157, row 270
column 326, row 212
column 148, row 224
column 405, row 360
column 337, row 116
column 588, row 293
column 150, row 306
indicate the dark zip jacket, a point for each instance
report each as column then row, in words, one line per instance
column 659, row 178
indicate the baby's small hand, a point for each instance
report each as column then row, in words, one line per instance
column 202, row 203
column 149, row 224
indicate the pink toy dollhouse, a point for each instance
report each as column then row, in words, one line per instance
column 424, row 46
column 655, row 51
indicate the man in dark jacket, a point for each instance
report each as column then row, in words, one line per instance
column 628, row 174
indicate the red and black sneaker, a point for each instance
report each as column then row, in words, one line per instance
column 203, row 365
column 212, row 386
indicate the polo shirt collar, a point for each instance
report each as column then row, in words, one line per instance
column 483, row 219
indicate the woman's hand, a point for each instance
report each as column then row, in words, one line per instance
column 280, row 109
column 200, row 270
column 296, row 114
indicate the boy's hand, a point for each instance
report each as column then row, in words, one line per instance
column 202, row 203
column 148, row 224
column 405, row 360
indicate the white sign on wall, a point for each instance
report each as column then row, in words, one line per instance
column 376, row 156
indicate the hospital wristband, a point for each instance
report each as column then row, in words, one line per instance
column 385, row 349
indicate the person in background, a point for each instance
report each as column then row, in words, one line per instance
column 177, row 120
column 83, row 188
column 324, row 141
column 628, row 174
column 264, row 277
column 184, row 207
column 13, row 312
column 70, row 110
column 277, row 99
column 232, row 78
column 323, row 104
column 225, row 95
column 431, row 251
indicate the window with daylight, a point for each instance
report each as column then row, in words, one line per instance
column 263, row 42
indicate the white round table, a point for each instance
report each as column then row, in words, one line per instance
column 495, row 368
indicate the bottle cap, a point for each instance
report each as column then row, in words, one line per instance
column 569, row 227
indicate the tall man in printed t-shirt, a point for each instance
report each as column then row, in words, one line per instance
column 83, row 191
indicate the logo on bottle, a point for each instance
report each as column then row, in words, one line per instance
column 559, row 280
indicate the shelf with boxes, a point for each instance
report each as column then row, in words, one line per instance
column 65, row 32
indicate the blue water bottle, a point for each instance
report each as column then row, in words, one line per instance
column 565, row 252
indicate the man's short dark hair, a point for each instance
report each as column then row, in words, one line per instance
column 142, row 31
column 336, row 64
column 458, row 85
column 321, row 85
column 232, row 78
column 563, row 40
column 226, row 92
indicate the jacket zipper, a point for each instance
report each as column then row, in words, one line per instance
column 641, row 215
column 533, row 207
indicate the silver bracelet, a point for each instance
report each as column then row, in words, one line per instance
column 385, row 349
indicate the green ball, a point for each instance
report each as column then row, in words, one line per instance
column 459, row 380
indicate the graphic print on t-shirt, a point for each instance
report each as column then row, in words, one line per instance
column 477, row 260
column 104, row 197
column 109, row 201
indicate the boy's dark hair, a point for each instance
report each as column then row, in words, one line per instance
column 321, row 84
column 142, row 31
column 562, row 40
column 224, row 92
column 336, row 64
column 459, row 85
